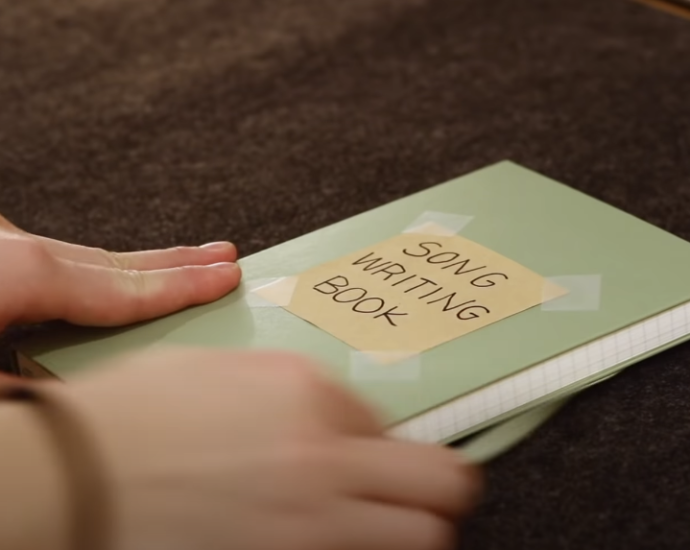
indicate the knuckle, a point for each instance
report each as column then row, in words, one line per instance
column 115, row 260
column 26, row 268
column 182, row 250
column 33, row 255
column 135, row 288
column 137, row 281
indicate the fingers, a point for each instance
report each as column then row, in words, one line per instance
column 343, row 411
column 99, row 296
column 146, row 260
column 332, row 408
column 374, row 526
column 430, row 477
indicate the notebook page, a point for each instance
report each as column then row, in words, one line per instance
column 545, row 378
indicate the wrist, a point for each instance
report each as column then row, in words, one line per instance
column 33, row 488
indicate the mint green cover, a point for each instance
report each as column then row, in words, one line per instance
column 542, row 224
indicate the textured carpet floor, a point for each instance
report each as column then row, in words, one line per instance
column 128, row 125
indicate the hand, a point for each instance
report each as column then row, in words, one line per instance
column 44, row 279
column 258, row 451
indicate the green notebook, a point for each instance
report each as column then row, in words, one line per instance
column 467, row 312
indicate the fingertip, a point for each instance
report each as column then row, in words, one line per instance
column 225, row 251
column 229, row 275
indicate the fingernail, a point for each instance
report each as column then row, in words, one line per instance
column 226, row 266
column 224, row 245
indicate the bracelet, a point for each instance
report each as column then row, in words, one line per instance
column 89, row 527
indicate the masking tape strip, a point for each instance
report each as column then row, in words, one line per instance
column 584, row 293
column 438, row 223
column 376, row 366
column 276, row 292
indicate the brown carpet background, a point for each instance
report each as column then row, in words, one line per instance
column 129, row 125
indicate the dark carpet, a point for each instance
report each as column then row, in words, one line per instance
column 129, row 125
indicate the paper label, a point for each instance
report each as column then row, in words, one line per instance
column 414, row 292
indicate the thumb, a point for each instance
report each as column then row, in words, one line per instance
column 87, row 294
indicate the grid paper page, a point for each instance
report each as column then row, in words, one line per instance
column 547, row 377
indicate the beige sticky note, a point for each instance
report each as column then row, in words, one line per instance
column 414, row 292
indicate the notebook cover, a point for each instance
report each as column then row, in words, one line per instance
column 544, row 225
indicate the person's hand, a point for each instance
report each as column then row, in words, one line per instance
column 44, row 280
column 260, row 451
